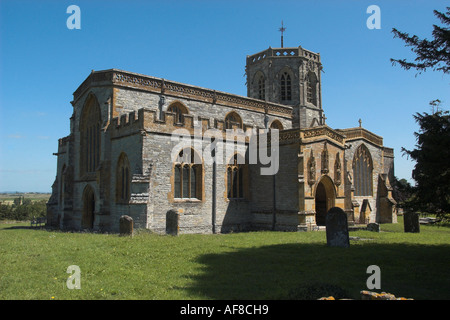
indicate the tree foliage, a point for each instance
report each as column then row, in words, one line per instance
column 432, row 170
column 25, row 211
column 434, row 53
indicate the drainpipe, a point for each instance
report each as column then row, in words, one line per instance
column 214, row 173
column 274, row 217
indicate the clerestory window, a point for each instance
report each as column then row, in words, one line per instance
column 233, row 119
column 179, row 110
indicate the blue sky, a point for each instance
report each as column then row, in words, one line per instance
column 203, row 43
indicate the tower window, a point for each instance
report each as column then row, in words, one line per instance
column 311, row 83
column 261, row 88
column 286, row 88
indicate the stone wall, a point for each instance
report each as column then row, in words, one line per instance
column 135, row 121
column 382, row 164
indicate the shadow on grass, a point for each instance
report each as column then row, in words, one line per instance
column 24, row 228
column 309, row 271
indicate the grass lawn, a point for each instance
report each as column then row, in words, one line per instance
column 256, row 265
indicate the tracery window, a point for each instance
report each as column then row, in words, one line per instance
column 236, row 171
column 187, row 176
column 276, row 124
column 311, row 84
column 123, row 179
column 179, row 110
column 233, row 119
column 261, row 88
column 90, row 136
column 61, row 187
column 286, row 88
column 362, row 172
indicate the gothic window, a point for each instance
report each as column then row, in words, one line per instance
column 311, row 84
column 179, row 110
column 123, row 179
column 90, row 136
column 362, row 172
column 286, row 88
column 61, row 187
column 261, row 88
column 324, row 159
column 337, row 170
column 276, row 124
column 233, row 119
column 187, row 176
column 236, row 171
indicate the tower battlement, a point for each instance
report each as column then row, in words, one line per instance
column 293, row 52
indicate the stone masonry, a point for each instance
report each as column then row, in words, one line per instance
column 127, row 129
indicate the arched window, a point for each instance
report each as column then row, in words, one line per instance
column 61, row 187
column 123, row 179
column 261, row 88
column 276, row 124
column 286, row 88
column 90, row 126
column 88, row 214
column 236, row 179
column 180, row 110
column 311, row 85
column 362, row 172
column 187, row 176
column 233, row 119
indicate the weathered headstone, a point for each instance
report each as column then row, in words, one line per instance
column 172, row 222
column 411, row 222
column 337, row 228
column 126, row 225
column 373, row 227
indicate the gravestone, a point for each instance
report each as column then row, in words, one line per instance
column 126, row 226
column 337, row 228
column 172, row 222
column 373, row 227
column 411, row 222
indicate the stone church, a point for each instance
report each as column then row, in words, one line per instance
column 121, row 157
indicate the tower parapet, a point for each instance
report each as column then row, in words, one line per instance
column 289, row 76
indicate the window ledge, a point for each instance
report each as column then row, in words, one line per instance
column 238, row 199
column 184, row 200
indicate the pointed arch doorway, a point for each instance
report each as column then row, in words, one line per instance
column 87, row 219
column 324, row 199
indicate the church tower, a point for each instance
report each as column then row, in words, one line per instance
column 289, row 76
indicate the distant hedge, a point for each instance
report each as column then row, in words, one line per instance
column 25, row 211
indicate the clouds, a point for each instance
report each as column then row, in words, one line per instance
column 17, row 136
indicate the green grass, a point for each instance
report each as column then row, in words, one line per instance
column 256, row 265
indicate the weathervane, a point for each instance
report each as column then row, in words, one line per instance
column 282, row 29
